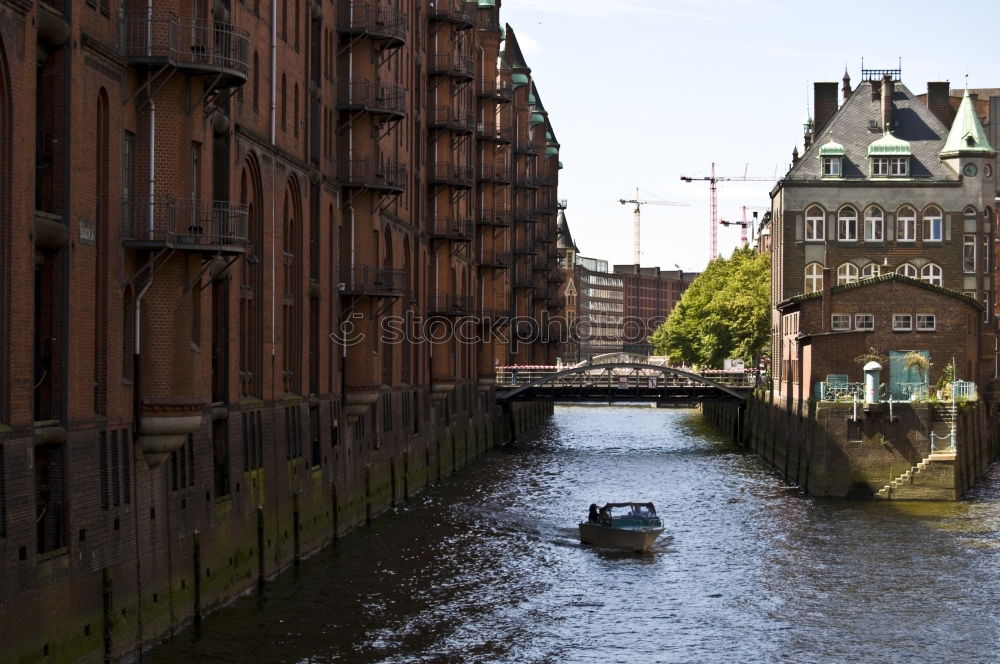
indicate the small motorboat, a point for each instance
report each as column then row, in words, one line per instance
column 629, row 526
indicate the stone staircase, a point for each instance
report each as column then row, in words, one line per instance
column 942, row 418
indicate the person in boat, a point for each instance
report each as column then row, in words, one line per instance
column 604, row 514
column 593, row 516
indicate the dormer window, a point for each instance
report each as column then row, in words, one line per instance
column 889, row 157
column 832, row 156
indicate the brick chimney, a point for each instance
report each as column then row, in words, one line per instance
column 826, row 307
column 938, row 93
column 887, row 90
column 824, row 105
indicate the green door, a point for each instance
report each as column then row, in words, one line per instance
column 907, row 382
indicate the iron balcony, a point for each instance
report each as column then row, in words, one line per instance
column 372, row 280
column 186, row 225
column 381, row 23
column 382, row 99
column 195, row 46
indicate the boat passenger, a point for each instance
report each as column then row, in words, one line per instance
column 593, row 516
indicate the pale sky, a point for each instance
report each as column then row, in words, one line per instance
column 641, row 92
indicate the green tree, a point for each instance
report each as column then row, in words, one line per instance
column 724, row 313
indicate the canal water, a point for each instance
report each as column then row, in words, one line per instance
column 487, row 566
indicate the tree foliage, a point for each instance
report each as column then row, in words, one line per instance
column 724, row 313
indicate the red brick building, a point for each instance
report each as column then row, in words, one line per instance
column 252, row 262
column 886, row 185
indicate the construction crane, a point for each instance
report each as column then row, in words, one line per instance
column 713, row 217
column 744, row 223
column 635, row 229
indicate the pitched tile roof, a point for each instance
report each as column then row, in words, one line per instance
column 850, row 126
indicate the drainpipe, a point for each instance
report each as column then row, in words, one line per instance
column 273, row 112
column 152, row 167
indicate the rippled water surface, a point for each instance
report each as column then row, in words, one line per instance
column 487, row 567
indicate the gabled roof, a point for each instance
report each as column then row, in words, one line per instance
column 513, row 51
column 881, row 279
column 852, row 128
column 563, row 238
column 966, row 133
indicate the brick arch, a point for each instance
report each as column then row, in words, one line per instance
column 251, row 349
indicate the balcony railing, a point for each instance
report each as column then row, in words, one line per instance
column 452, row 64
column 460, row 12
column 496, row 258
column 496, row 174
column 525, row 180
column 525, row 248
column 372, row 96
column 494, row 217
column 501, row 89
column 161, row 38
column 379, row 22
column 454, row 175
column 489, row 131
column 446, row 117
column 446, row 304
column 527, row 146
column 381, row 175
column 459, row 230
column 371, row 280
column 187, row 225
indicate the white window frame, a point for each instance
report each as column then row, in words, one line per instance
column 969, row 254
column 899, row 166
column 880, row 166
column 815, row 230
column 925, row 322
column 840, row 322
column 874, row 224
column 847, row 224
column 902, row 322
column 813, row 277
column 933, row 225
column 871, row 271
column 932, row 274
column 864, row 321
column 832, row 167
column 847, row 273
column 908, row 270
column 906, row 225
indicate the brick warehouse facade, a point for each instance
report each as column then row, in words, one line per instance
column 246, row 290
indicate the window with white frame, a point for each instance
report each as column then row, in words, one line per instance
column 906, row 224
column 987, row 311
column 831, row 167
column 926, row 322
column 847, row 224
column 880, row 166
column 874, row 224
column 847, row 273
column 814, row 277
column 899, row 166
column 902, row 322
column 908, row 270
column 815, row 224
column 933, row 229
column 864, row 321
column 932, row 274
column 969, row 254
column 870, row 271
column 840, row 322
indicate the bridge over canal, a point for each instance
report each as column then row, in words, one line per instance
column 621, row 382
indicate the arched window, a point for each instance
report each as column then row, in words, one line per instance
column 101, row 280
column 5, row 177
column 815, row 224
column 906, row 224
column 295, row 112
column 847, row 273
column 874, row 224
column 908, row 270
column 814, row 277
column 847, row 224
column 870, row 271
column 251, row 285
column 933, row 229
column 931, row 273
column 284, row 103
column 256, row 83
column 292, row 307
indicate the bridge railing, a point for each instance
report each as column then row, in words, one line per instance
column 601, row 375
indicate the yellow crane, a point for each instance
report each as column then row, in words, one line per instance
column 635, row 239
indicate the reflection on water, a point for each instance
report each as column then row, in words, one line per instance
column 487, row 567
